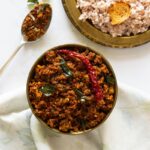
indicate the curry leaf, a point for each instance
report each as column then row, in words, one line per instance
column 83, row 123
column 65, row 68
column 33, row 1
column 110, row 80
column 47, row 89
column 80, row 95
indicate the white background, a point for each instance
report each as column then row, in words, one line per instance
column 131, row 65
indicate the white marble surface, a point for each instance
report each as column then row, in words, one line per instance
column 131, row 65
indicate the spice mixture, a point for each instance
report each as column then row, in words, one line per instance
column 36, row 22
column 72, row 90
column 130, row 21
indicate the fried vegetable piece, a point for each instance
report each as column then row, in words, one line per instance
column 119, row 12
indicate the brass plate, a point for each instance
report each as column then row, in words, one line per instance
column 96, row 35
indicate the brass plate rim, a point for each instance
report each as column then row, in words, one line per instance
column 126, row 41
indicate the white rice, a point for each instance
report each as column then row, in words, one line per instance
column 97, row 12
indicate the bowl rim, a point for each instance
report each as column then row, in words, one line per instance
column 62, row 47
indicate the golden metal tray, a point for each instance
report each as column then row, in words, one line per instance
column 96, row 35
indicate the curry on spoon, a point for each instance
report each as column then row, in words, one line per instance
column 34, row 26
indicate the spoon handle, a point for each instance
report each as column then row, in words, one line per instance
column 11, row 57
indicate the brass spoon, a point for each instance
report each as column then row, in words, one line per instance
column 34, row 26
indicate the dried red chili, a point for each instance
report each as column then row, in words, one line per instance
column 91, row 71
